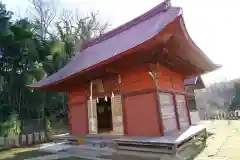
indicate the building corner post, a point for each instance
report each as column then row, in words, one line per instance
column 155, row 82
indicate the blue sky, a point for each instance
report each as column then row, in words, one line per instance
column 212, row 24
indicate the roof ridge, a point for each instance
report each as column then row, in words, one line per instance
column 162, row 7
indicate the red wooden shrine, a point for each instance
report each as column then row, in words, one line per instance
column 130, row 81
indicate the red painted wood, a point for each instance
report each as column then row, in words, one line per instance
column 70, row 119
column 124, row 117
column 135, row 81
column 141, row 115
column 79, row 125
column 135, row 107
column 77, row 112
column 159, row 113
column 169, row 79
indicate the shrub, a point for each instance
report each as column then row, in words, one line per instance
column 10, row 127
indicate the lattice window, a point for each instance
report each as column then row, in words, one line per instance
column 182, row 111
column 168, row 112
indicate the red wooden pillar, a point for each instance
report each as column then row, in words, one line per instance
column 87, row 117
column 160, row 119
column 153, row 75
column 125, row 132
column 176, row 110
column 69, row 116
column 70, row 122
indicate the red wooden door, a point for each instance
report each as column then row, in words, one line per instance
column 77, row 113
column 168, row 112
column 78, row 119
column 141, row 115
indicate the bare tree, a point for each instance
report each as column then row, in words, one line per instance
column 79, row 29
column 222, row 94
column 86, row 23
column 43, row 13
column 218, row 96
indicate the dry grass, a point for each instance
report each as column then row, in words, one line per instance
column 21, row 153
column 224, row 143
column 25, row 153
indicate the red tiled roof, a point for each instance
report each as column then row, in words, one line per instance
column 162, row 7
column 116, row 42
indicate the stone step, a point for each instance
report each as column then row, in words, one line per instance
column 94, row 140
column 95, row 143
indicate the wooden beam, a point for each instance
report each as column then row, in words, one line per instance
column 175, row 47
column 174, row 62
column 176, row 110
column 153, row 75
column 112, row 70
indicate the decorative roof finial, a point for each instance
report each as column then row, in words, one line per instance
column 167, row 4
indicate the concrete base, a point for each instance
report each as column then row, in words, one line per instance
column 171, row 144
column 168, row 147
column 54, row 147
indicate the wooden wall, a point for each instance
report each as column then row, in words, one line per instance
column 77, row 112
column 169, row 79
column 139, row 79
column 135, row 80
column 140, row 109
column 141, row 116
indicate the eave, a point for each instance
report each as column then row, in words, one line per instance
column 164, row 28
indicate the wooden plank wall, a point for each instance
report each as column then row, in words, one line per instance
column 77, row 112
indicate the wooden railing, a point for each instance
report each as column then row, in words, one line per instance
column 223, row 115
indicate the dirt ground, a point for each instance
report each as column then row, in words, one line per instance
column 224, row 143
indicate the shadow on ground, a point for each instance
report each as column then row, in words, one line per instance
column 27, row 153
column 21, row 154
column 32, row 152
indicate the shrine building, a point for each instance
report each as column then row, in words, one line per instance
column 130, row 81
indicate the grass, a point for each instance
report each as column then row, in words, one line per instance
column 21, row 153
column 24, row 153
